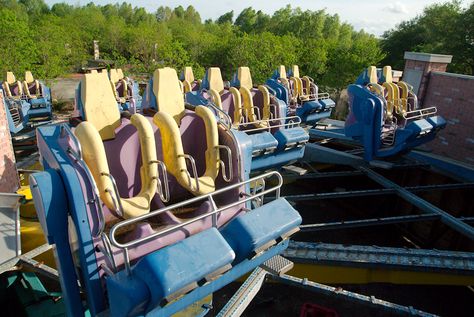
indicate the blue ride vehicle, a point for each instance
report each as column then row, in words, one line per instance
column 301, row 95
column 275, row 138
column 385, row 116
column 158, row 218
column 27, row 103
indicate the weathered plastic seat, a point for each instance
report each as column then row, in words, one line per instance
column 31, row 86
column 243, row 79
column 103, row 129
column 188, row 80
column 170, row 114
column 119, row 85
column 12, row 87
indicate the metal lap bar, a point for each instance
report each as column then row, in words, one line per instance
column 213, row 213
column 194, row 169
column 106, row 249
column 420, row 113
column 289, row 123
column 77, row 155
column 226, row 177
column 117, row 202
column 164, row 194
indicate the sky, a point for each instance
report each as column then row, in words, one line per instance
column 373, row 16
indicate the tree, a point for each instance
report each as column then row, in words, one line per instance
column 226, row 18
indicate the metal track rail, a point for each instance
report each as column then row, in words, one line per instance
column 381, row 257
column 350, row 296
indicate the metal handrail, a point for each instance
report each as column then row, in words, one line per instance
column 117, row 204
column 288, row 123
column 222, row 164
column 194, row 169
column 164, row 195
column 420, row 113
column 214, row 211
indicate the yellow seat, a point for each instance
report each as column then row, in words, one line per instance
column 9, row 84
column 102, row 118
column 374, row 85
column 29, row 79
column 299, row 90
column 115, row 78
column 216, row 89
column 246, row 85
column 188, row 79
column 171, row 110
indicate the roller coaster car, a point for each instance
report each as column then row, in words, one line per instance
column 188, row 81
column 301, row 95
column 385, row 116
column 28, row 103
column 276, row 139
column 126, row 91
column 134, row 255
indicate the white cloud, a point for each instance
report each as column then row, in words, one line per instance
column 398, row 8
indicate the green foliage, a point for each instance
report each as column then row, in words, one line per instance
column 57, row 40
column 444, row 28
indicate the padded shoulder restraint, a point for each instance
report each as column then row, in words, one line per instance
column 308, row 83
column 95, row 158
column 246, row 84
column 374, row 86
column 404, row 92
column 173, row 153
column 237, row 105
column 11, row 82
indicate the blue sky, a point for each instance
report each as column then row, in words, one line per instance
column 373, row 16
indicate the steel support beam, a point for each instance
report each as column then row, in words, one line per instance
column 377, row 192
column 423, row 205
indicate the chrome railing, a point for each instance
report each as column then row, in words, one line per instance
column 289, row 122
column 223, row 117
column 213, row 213
column 226, row 177
column 420, row 113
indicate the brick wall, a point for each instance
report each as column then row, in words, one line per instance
column 8, row 174
column 426, row 68
column 453, row 95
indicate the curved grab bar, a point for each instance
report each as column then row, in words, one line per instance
column 117, row 204
column 229, row 161
column 215, row 211
column 164, row 195
column 224, row 118
column 194, row 169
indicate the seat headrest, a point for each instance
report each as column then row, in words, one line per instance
column 120, row 73
column 99, row 104
column 372, row 74
column 114, row 77
column 10, row 78
column 244, row 77
column 295, row 70
column 214, row 78
column 169, row 96
column 188, row 74
column 282, row 71
column 29, row 77
column 387, row 73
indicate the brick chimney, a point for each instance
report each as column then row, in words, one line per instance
column 418, row 67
